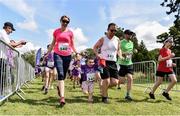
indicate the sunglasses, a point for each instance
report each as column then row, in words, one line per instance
column 113, row 30
column 65, row 21
column 91, row 62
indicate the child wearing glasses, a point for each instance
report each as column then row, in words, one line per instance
column 165, row 68
column 89, row 72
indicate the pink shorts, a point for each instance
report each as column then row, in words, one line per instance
column 88, row 86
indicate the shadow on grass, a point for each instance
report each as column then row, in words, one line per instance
column 52, row 101
column 148, row 100
column 83, row 99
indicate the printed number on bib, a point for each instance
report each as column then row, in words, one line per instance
column 63, row 46
column 128, row 56
column 110, row 56
column 90, row 76
column 50, row 64
column 169, row 63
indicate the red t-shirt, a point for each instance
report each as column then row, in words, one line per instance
column 166, row 65
column 63, row 42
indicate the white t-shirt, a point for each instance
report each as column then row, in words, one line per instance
column 109, row 48
column 4, row 36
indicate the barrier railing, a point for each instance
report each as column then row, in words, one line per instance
column 145, row 74
column 14, row 71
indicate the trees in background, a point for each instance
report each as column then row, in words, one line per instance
column 29, row 57
column 174, row 7
column 174, row 32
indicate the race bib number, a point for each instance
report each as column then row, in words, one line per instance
column 110, row 56
column 128, row 56
column 90, row 76
column 63, row 46
column 50, row 64
column 169, row 63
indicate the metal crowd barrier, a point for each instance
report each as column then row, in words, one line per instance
column 14, row 71
column 145, row 75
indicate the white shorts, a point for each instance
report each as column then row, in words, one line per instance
column 47, row 69
column 88, row 86
column 42, row 69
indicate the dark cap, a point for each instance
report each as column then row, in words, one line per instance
column 9, row 24
column 128, row 32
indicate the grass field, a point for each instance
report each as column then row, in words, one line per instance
column 37, row 103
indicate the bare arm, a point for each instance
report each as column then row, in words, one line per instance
column 160, row 58
column 73, row 47
column 119, row 50
column 98, row 45
column 51, row 46
column 17, row 44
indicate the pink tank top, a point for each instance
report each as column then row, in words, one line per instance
column 63, row 42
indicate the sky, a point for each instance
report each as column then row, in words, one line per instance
column 35, row 20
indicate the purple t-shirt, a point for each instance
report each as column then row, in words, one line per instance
column 85, row 70
column 76, row 70
column 50, row 60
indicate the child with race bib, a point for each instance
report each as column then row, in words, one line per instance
column 89, row 73
column 165, row 68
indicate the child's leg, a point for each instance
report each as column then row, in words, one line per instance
column 74, row 81
column 47, row 73
column 90, row 90
column 172, row 83
column 51, row 78
column 157, row 83
column 85, row 87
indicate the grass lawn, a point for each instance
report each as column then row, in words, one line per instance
column 37, row 103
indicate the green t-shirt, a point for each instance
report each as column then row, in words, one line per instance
column 127, row 49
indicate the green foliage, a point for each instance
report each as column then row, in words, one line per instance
column 120, row 33
column 89, row 52
column 174, row 7
column 174, row 32
column 29, row 57
column 142, row 54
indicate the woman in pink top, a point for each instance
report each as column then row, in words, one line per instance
column 63, row 46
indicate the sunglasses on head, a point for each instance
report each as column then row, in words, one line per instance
column 65, row 21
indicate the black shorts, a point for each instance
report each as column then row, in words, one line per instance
column 163, row 74
column 110, row 70
column 125, row 69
